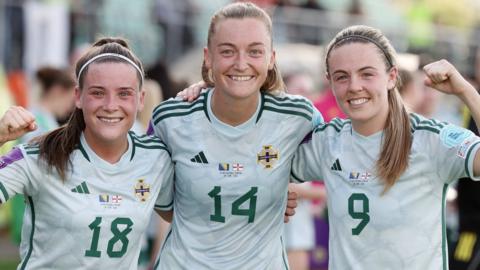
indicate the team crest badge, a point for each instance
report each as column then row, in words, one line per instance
column 142, row 190
column 268, row 156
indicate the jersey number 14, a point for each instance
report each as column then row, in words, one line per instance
column 250, row 196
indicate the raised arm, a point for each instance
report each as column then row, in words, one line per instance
column 444, row 77
column 16, row 122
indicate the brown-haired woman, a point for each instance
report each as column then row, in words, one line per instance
column 89, row 190
column 386, row 171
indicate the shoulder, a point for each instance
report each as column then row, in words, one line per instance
column 421, row 124
column 335, row 126
column 20, row 152
column 148, row 142
column 288, row 104
column 174, row 108
column 434, row 132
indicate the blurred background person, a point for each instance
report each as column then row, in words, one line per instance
column 410, row 91
column 55, row 89
column 51, row 107
column 299, row 232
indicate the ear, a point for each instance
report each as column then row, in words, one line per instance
column 141, row 100
column 327, row 76
column 272, row 60
column 206, row 58
column 78, row 98
column 392, row 78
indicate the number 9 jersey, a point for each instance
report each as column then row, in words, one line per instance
column 96, row 218
column 230, row 182
column 403, row 228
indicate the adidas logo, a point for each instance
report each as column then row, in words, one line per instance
column 82, row 188
column 336, row 166
column 199, row 158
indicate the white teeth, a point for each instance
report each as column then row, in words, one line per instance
column 109, row 120
column 358, row 101
column 241, row 78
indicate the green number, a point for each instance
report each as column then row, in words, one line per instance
column 95, row 226
column 250, row 212
column 362, row 215
column 118, row 235
column 217, row 202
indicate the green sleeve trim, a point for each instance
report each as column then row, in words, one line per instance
column 164, row 206
column 468, row 158
column 306, row 116
column 291, row 104
column 444, row 230
column 30, row 248
column 168, row 115
column 296, row 177
column 4, row 192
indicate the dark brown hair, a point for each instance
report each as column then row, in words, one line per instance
column 57, row 146
column 49, row 77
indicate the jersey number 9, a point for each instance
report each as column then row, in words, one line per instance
column 362, row 215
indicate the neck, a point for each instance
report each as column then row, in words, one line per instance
column 107, row 150
column 370, row 126
column 233, row 111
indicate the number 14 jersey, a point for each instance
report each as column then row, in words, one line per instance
column 230, row 182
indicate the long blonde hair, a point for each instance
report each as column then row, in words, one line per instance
column 397, row 138
column 242, row 10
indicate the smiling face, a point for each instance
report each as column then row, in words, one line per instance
column 240, row 55
column 110, row 99
column 360, row 81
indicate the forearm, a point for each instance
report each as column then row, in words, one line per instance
column 471, row 98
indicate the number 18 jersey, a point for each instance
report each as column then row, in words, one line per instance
column 96, row 218
column 230, row 182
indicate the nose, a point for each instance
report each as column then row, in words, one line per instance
column 355, row 83
column 110, row 102
column 241, row 61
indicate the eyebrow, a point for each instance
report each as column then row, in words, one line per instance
column 361, row 69
column 249, row 45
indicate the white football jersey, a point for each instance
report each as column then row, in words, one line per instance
column 230, row 182
column 97, row 217
column 403, row 228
